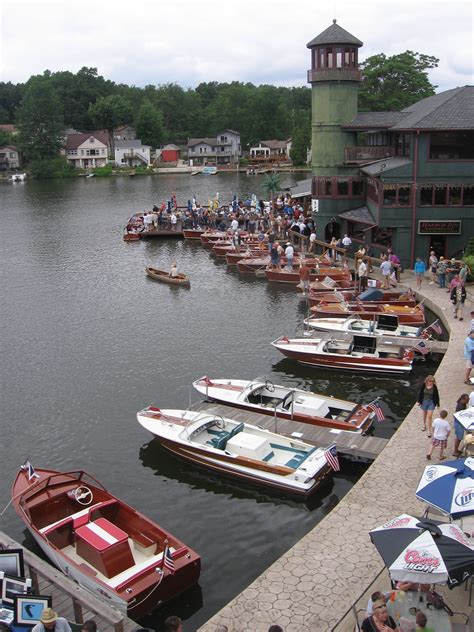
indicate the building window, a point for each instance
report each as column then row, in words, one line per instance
column 357, row 188
column 452, row 146
column 338, row 57
column 329, row 58
column 468, row 196
column 322, row 56
column 440, row 194
column 389, row 195
column 342, row 187
column 347, row 57
column 327, row 187
column 426, row 196
column 403, row 196
column 454, row 196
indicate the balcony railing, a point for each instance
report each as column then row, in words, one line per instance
column 367, row 154
column 334, row 74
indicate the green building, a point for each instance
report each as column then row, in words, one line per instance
column 409, row 185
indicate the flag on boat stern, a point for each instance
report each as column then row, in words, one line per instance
column 168, row 559
column 331, row 458
column 421, row 348
column 436, row 327
column 30, row 470
column 377, row 409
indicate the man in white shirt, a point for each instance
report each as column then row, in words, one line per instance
column 362, row 273
column 441, row 431
column 385, row 268
column 346, row 241
column 289, row 253
column 234, row 224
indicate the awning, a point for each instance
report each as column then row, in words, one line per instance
column 361, row 215
column 301, row 189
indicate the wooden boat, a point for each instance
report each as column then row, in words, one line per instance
column 101, row 542
column 239, row 449
column 261, row 262
column 193, row 233
column 406, row 315
column 164, row 277
column 234, row 257
column 285, row 276
column 287, row 403
column 381, row 325
column 372, row 296
column 361, row 353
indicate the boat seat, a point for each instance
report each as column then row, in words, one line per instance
column 220, row 442
column 298, row 459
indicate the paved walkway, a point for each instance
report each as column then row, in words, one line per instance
column 312, row 586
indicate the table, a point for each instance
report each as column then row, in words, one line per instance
column 438, row 620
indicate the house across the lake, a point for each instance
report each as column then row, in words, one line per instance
column 86, row 151
column 132, row 153
column 222, row 150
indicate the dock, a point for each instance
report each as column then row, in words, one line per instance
column 352, row 445
column 69, row 600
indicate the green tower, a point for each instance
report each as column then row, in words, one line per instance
column 334, row 79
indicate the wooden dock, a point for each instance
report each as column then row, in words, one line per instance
column 69, row 600
column 349, row 444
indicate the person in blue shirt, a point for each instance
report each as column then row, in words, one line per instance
column 419, row 271
column 469, row 355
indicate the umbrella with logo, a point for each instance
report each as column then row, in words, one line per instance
column 424, row 551
column 466, row 418
column 449, row 487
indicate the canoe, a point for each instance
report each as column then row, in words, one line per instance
column 164, row 277
column 266, row 398
column 239, row 449
column 102, row 543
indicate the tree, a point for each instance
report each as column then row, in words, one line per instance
column 110, row 112
column 394, row 83
column 299, row 145
column 149, row 125
column 40, row 121
column 271, row 185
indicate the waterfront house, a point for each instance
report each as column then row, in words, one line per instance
column 270, row 151
column 409, row 186
column 86, row 151
column 224, row 149
column 170, row 153
column 125, row 132
column 9, row 157
column 132, row 153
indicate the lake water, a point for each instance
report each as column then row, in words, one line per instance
column 87, row 340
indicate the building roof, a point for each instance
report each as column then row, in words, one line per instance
column 451, row 109
column 334, row 34
column 229, row 130
column 11, row 129
column 301, row 189
column 381, row 120
column 382, row 166
column 73, row 141
column 9, row 147
column 361, row 215
column 199, row 141
column 170, row 146
column 274, row 144
column 125, row 144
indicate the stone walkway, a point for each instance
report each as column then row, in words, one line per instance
column 312, row 586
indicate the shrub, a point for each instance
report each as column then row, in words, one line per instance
column 55, row 168
column 103, row 172
column 469, row 259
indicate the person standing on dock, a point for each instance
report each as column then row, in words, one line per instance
column 419, row 271
column 289, row 253
column 50, row 622
column 362, row 273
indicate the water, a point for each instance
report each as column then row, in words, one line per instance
column 87, row 340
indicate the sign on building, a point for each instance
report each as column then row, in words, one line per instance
column 315, row 206
column 441, row 227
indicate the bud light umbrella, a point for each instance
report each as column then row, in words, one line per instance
column 424, row 551
column 466, row 418
column 449, row 487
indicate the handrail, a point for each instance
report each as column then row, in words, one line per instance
column 353, row 605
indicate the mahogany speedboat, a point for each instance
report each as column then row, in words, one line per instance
column 406, row 315
column 361, row 352
column 371, row 296
column 287, row 276
column 381, row 325
column 287, row 403
column 193, row 233
column 101, row 542
column 239, row 449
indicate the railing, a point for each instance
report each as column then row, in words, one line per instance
column 364, row 154
column 80, row 598
column 334, row 74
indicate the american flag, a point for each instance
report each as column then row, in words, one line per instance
column 421, row 348
column 331, row 457
column 377, row 409
column 168, row 559
column 436, row 327
column 30, row 470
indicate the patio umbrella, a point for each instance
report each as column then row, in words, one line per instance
column 466, row 418
column 424, row 551
column 449, row 487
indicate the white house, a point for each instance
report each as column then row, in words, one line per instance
column 9, row 157
column 224, row 149
column 271, row 150
column 86, row 151
column 132, row 153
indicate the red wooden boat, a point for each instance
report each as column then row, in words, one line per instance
column 285, row 276
column 234, row 257
column 193, row 233
column 367, row 311
column 210, row 236
column 101, row 542
column 373, row 297
column 250, row 265
column 330, row 285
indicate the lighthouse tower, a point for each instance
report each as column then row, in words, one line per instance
column 334, row 79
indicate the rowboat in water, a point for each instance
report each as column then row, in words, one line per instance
column 357, row 352
column 287, row 403
column 241, row 450
column 102, row 543
column 164, row 277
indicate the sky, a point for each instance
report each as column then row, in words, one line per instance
column 142, row 42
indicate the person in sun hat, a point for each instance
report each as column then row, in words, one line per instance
column 50, row 622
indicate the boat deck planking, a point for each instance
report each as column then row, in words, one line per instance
column 349, row 444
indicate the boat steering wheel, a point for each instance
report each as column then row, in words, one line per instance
column 269, row 386
column 83, row 495
column 219, row 421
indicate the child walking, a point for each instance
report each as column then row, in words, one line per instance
column 441, row 432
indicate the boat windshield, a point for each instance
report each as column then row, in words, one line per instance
column 59, row 479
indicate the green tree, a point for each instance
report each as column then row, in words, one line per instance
column 271, row 185
column 40, row 121
column 110, row 112
column 149, row 125
column 301, row 140
column 394, row 83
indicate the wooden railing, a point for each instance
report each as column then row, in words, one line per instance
column 81, row 599
column 367, row 153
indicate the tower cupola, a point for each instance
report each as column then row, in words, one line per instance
column 334, row 56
